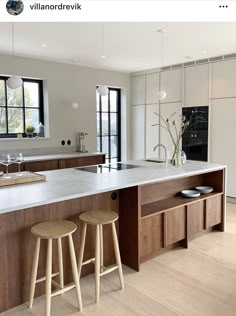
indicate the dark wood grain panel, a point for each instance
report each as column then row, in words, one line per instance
column 151, row 236
column 196, row 218
column 174, row 225
column 214, row 207
column 45, row 165
column 81, row 161
column 12, row 168
column 129, row 210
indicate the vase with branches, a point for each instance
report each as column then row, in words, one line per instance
column 175, row 129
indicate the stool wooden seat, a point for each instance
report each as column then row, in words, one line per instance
column 100, row 218
column 54, row 230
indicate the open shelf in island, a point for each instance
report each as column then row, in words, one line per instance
column 170, row 203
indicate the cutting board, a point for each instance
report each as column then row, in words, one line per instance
column 27, row 177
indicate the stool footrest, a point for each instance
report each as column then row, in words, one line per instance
column 88, row 261
column 57, row 285
column 109, row 269
column 44, row 278
column 65, row 289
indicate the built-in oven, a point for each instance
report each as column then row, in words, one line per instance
column 195, row 138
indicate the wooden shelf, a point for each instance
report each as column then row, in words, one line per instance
column 168, row 204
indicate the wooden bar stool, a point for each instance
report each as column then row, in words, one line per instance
column 54, row 230
column 100, row 218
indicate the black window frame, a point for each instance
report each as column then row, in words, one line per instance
column 23, row 107
column 100, row 136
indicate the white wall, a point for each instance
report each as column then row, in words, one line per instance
column 67, row 84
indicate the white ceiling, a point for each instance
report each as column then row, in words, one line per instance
column 129, row 47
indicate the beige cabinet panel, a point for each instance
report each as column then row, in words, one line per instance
column 223, row 79
column 152, row 132
column 138, row 90
column 196, row 85
column 171, row 82
column 138, row 131
column 152, row 88
column 166, row 110
column 222, row 139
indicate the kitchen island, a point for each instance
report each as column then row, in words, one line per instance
column 153, row 218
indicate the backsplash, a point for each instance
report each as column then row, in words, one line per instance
column 40, row 151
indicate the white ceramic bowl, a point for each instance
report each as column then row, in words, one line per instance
column 190, row 193
column 204, row 189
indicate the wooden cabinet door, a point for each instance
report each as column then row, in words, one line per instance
column 152, row 88
column 171, row 82
column 138, row 90
column 223, row 131
column 152, row 132
column 81, row 161
column 174, row 225
column 45, row 165
column 223, row 79
column 138, row 132
column 151, row 236
column 196, row 85
column 214, row 207
column 196, row 218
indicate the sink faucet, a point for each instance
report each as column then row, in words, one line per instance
column 160, row 145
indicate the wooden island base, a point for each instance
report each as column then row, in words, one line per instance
column 153, row 218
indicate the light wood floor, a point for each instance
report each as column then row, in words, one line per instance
column 199, row 281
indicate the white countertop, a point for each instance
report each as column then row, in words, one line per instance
column 66, row 184
column 60, row 156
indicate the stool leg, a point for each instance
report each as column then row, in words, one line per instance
column 117, row 254
column 97, row 264
column 81, row 250
column 101, row 247
column 34, row 272
column 49, row 277
column 75, row 271
column 60, row 259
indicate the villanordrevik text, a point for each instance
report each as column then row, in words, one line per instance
column 39, row 6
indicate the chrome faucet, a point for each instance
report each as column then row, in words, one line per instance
column 165, row 150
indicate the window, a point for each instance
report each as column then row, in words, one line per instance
column 108, row 125
column 20, row 107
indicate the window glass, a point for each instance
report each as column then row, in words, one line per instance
column 3, row 127
column 15, row 120
column 20, row 107
column 108, row 132
column 31, row 94
column 2, row 93
column 15, row 97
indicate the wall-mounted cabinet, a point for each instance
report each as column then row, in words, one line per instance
column 196, row 85
column 138, row 90
column 152, row 132
column 223, row 79
column 138, row 131
column 152, row 88
column 171, row 82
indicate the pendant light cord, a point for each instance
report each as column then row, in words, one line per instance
column 161, row 48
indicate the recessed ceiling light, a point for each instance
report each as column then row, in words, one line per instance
column 188, row 57
column 103, row 56
column 44, row 45
column 146, row 64
column 205, row 52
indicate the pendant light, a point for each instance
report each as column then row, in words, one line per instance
column 14, row 82
column 162, row 93
column 103, row 89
